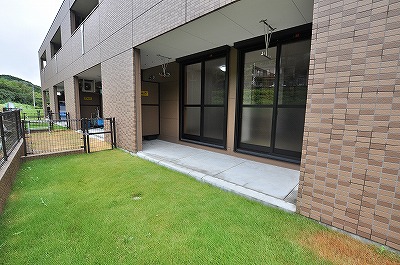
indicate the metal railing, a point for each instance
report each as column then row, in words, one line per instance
column 95, row 136
column 39, row 115
column 10, row 133
column 56, row 135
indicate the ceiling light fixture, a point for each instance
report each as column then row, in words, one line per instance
column 222, row 68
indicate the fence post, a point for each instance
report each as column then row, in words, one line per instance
column 16, row 123
column 3, row 140
column 115, row 134
column 24, row 137
column 19, row 125
column 111, row 132
column 68, row 121
column 51, row 120
column 85, row 134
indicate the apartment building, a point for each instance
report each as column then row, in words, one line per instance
column 303, row 84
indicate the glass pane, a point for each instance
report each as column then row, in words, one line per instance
column 256, row 126
column 293, row 79
column 214, row 122
column 289, row 129
column 259, row 78
column 191, row 123
column 214, row 87
column 193, row 84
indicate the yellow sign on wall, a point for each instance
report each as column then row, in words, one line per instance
column 87, row 98
column 145, row 93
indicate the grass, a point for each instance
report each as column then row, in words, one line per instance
column 112, row 208
column 28, row 109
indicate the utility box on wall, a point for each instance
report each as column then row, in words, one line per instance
column 150, row 110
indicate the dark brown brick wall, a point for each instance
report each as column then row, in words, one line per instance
column 8, row 173
column 351, row 152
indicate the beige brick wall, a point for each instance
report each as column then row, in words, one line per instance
column 351, row 151
column 114, row 15
column 114, row 27
column 118, row 77
column 110, row 32
column 92, row 30
column 71, row 97
column 169, row 14
column 53, row 99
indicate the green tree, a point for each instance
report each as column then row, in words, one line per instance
column 17, row 90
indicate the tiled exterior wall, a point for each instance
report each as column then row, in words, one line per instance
column 53, row 98
column 112, row 29
column 351, row 151
column 71, row 96
column 119, row 97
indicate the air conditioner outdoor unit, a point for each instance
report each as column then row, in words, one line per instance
column 88, row 86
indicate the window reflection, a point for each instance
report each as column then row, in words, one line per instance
column 265, row 126
column 259, row 78
column 214, row 83
column 293, row 76
column 193, row 84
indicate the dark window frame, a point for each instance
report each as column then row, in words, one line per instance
column 78, row 18
column 55, row 44
column 202, row 57
column 280, row 38
column 43, row 60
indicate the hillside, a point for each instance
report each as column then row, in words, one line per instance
column 16, row 90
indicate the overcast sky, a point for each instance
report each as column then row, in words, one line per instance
column 24, row 24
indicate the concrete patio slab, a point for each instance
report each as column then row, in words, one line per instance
column 265, row 183
column 267, row 179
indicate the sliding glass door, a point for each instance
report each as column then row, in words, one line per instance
column 204, row 104
column 258, row 100
column 292, row 97
column 272, row 98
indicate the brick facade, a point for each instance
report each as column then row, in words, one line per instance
column 119, row 97
column 351, row 151
column 350, row 163
column 71, row 97
column 110, row 32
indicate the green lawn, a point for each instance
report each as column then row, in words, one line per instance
column 25, row 108
column 112, row 208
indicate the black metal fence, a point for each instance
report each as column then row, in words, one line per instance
column 10, row 133
column 98, row 133
column 40, row 115
column 59, row 135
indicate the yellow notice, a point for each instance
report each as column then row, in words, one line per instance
column 145, row 93
column 87, row 98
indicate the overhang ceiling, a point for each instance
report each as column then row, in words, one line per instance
column 84, row 7
column 93, row 73
column 236, row 22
